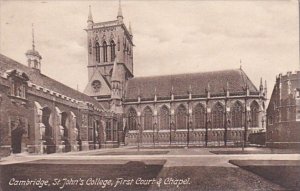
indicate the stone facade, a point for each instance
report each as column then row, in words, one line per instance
column 238, row 115
column 283, row 112
column 212, row 108
column 41, row 115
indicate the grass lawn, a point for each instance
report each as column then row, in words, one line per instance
column 195, row 177
column 282, row 172
column 130, row 152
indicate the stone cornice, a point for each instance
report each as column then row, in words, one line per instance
column 64, row 97
column 193, row 99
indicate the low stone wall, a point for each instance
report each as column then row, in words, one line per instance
column 196, row 137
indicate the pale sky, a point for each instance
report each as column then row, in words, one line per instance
column 170, row 36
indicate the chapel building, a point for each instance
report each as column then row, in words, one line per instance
column 204, row 108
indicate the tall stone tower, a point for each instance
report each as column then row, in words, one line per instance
column 110, row 59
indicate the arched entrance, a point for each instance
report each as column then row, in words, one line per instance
column 48, row 138
column 16, row 135
column 65, row 136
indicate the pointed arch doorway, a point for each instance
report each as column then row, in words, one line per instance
column 16, row 139
column 48, row 138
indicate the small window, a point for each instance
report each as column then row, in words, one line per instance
column 112, row 50
column 104, row 51
column 96, row 84
column 18, row 89
column 97, row 50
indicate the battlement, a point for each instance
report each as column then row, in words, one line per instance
column 106, row 24
column 289, row 76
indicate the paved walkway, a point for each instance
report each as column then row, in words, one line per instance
column 206, row 170
column 175, row 157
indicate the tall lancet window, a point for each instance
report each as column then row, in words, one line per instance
column 181, row 117
column 104, row 51
column 97, row 50
column 112, row 50
column 199, row 116
column 237, row 115
column 164, row 118
column 147, row 119
column 218, row 116
column 254, row 114
column 132, row 117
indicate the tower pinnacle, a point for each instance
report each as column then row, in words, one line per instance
column 261, row 87
column 90, row 16
column 120, row 15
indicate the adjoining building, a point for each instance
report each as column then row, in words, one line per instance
column 283, row 112
column 205, row 108
column 41, row 115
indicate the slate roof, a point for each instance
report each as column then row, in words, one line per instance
column 44, row 81
column 182, row 83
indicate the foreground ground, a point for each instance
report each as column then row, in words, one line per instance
column 154, row 169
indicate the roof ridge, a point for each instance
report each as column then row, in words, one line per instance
column 31, row 71
column 182, row 74
column 243, row 74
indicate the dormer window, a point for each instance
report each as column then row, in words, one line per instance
column 18, row 81
column 18, row 88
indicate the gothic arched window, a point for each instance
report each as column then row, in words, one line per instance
column 181, row 117
column 199, row 116
column 147, row 119
column 104, row 51
column 112, row 50
column 164, row 118
column 237, row 115
column 132, row 119
column 218, row 116
column 254, row 109
column 97, row 50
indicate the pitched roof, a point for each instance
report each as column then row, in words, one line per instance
column 42, row 80
column 182, row 83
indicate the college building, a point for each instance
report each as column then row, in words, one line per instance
column 283, row 112
column 41, row 115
